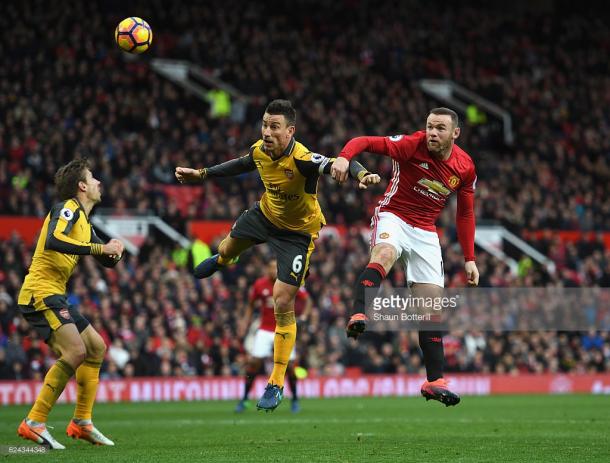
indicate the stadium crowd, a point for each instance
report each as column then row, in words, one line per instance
column 75, row 94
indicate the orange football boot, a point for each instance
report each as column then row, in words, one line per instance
column 38, row 434
column 87, row 432
column 439, row 390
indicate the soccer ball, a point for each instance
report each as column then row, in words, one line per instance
column 133, row 35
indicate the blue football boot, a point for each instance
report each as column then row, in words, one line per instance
column 271, row 398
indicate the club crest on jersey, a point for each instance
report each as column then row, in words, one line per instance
column 289, row 173
column 434, row 186
column 454, row 181
column 66, row 214
column 65, row 314
column 384, row 236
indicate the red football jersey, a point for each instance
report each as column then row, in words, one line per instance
column 262, row 291
column 421, row 184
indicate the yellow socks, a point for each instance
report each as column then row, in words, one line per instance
column 283, row 343
column 87, row 379
column 54, row 383
column 224, row 262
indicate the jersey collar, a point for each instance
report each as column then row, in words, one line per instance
column 80, row 206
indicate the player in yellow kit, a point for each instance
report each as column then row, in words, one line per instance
column 66, row 235
column 288, row 217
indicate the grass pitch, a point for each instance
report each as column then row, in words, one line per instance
column 480, row 429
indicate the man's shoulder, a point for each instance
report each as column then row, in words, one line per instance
column 463, row 156
column 302, row 153
column 257, row 144
column 413, row 138
column 310, row 156
column 256, row 147
column 71, row 203
column 66, row 209
column 410, row 145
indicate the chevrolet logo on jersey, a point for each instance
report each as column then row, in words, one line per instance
column 434, row 186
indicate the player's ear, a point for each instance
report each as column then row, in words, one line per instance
column 291, row 130
column 456, row 133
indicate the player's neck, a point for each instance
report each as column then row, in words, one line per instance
column 86, row 204
column 443, row 155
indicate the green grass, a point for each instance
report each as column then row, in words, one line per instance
column 491, row 429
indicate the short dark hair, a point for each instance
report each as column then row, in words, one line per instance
column 68, row 176
column 446, row 112
column 283, row 108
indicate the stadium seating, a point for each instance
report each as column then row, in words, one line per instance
column 136, row 127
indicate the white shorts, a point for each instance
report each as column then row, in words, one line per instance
column 418, row 250
column 262, row 347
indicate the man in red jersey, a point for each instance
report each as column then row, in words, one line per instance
column 261, row 296
column 427, row 168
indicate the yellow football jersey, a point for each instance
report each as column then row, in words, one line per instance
column 66, row 234
column 290, row 199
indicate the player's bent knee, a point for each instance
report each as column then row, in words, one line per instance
column 75, row 355
column 284, row 296
column 97, row 349
column 282, row 302
column 384, row 254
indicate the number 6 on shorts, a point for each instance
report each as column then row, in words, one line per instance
column 297, row 264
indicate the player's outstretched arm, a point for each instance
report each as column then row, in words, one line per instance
column 354, row 170
column 312, row 165
column 226, row 169
column 397, row 147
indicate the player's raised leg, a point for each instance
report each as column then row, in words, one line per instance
column 87, row 380
column 383, row 256
column 284, row 340
column 431, row 344
column 67, row 343
column 228, row 252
